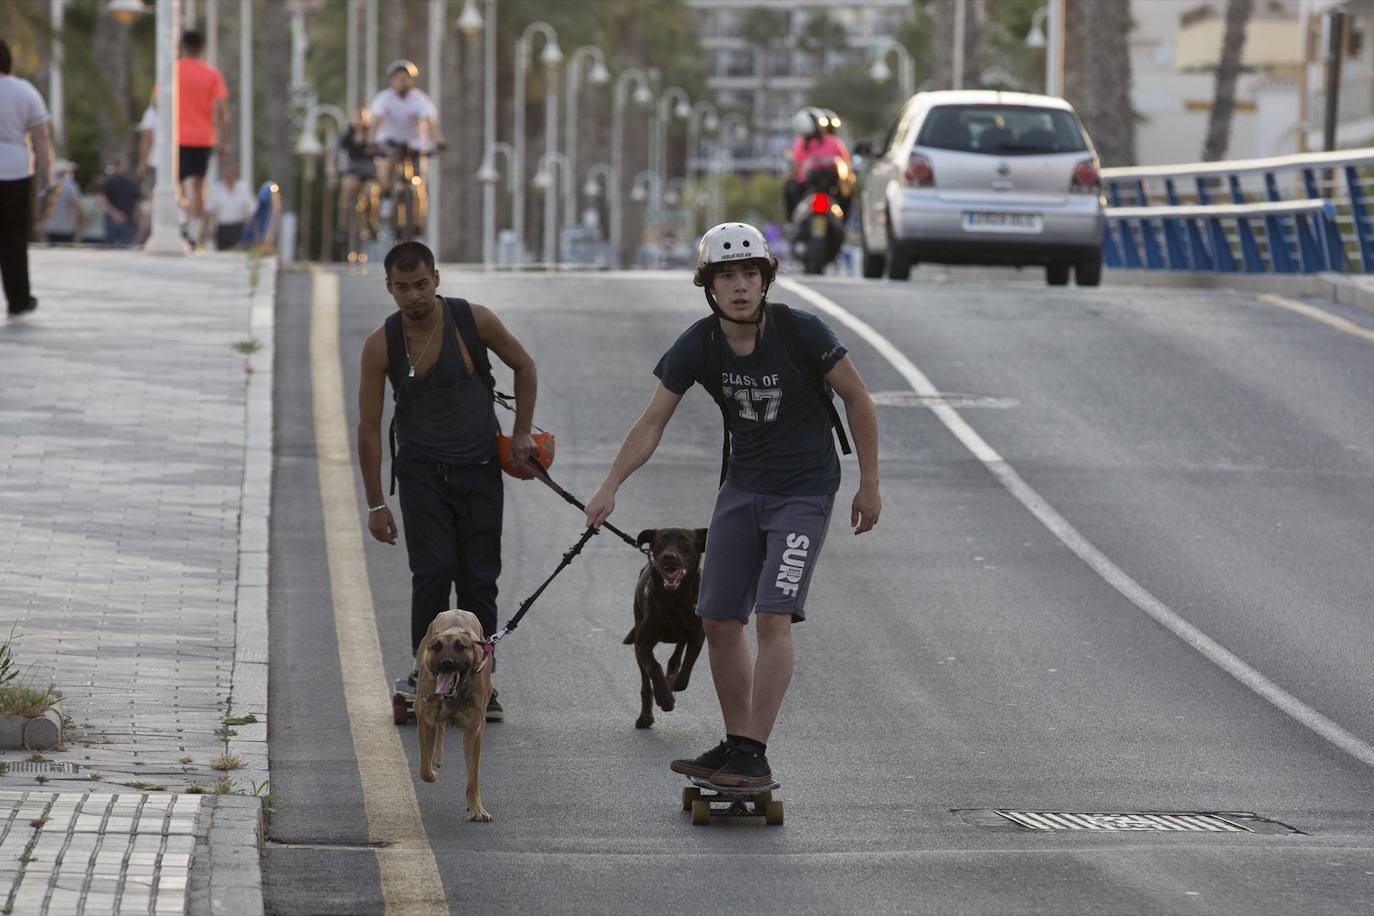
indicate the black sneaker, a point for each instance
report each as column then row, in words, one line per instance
column 705, row 765
column 494, row 711
column 405, row 686
column 744, row 769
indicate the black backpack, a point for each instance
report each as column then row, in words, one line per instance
column 797, row 351
column 395, row 345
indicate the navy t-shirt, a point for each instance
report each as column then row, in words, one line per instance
column 782, row 442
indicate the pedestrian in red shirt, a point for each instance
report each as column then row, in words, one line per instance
column 202, row 103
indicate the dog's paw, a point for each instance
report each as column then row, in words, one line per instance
column 480, row 815
column 678, row 683
column 429, row 776
column 667, row 703
column 644, row 721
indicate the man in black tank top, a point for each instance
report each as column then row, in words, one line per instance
column 451, row 493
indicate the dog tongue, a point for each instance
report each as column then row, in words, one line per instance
column 444, row 684
column 672, row 580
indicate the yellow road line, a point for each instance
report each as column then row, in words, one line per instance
column 409, row 874
column 1325, row 317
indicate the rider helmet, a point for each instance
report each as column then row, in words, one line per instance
column 730, row 243
column 807, row 122
column 401, row 64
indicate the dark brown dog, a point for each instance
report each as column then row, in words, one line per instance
column 665, row 611
column 453, row 688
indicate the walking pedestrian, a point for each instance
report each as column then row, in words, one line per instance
column 63, row 219
column 25, row 153
column 118, row 199
column 230, row 205
column 433, row 350
column 764, row 364
column 202, row 120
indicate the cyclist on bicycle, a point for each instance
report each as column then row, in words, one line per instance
column 353, row 160
column 404, row 117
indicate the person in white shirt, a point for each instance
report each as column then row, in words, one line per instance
column 403, row 116
column 229, row 204
column 25, row 152
column 62, row 219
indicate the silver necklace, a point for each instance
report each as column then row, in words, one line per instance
column 428, row 341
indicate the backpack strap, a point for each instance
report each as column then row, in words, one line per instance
column 396, row 365
column 711, row 371
column 805, row 360
column 477, row 348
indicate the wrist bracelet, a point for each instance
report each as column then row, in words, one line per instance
column 372, row 509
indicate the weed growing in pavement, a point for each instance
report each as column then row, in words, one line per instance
column 145, row 786
column 240, row 720
column 96, row 777
column 37, row 757
column 40, row 779
column 227, row 762
column 18, row 700
column 194, row 788
column 9, row 671
column 187, row 759
column 223, row 786
column 248, row 347
column 38, row 822
column 4, row 768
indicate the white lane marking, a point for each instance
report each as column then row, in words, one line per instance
column 407, row 869
column 1311, row 311
column 1134, row 592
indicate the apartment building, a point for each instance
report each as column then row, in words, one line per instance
column 764, row 86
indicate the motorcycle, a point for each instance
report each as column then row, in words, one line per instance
column 817, row 224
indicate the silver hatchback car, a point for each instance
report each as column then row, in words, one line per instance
column 984, row 178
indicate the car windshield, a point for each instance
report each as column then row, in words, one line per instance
column 1002, row 130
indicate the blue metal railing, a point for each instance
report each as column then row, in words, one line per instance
column 1289, row 214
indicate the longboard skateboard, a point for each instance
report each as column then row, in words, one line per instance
column 402, row 701
column 706, row 800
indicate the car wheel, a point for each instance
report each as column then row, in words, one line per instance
column 898, row 258
column 874, row 263
column 1057, row 273
column 1089, row 273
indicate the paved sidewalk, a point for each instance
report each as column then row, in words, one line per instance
column 135, row 481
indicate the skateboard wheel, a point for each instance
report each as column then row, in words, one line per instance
column 772, row 813
column 400, row 715
column 762, row 799
column 689, row 795
column 701, row 812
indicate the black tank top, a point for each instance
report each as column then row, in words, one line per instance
column 447, row 414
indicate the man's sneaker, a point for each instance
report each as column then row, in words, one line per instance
column 744, row 769
column 706, row 765
column 494, row 711
column 405, row 686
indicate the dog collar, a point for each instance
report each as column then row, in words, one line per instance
column 488, row 650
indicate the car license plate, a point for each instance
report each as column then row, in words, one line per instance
column 975, row 221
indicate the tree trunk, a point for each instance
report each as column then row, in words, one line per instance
column 110, row 44
column 281, row 163
column 1228, row 70
column 942, row 16
column 1103, row 78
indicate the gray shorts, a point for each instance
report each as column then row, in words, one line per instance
column 760, row 554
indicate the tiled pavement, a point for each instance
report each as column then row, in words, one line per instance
column 135, row 462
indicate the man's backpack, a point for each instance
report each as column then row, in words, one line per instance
column 797, row 351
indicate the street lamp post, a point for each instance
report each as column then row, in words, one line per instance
column 880, row 73
column 644, row 96
column 488, row 136
column 647, row 187
column 599, row 76
column 370, row 65
column 436, row 85
column 1049, row 19
column 56, row 12
column 309, row 149
column 683, row 109
column 704, row 115
column 550, row 57
column 551, row 169
column 490, row 176
column 165, row 234
column 611, row 182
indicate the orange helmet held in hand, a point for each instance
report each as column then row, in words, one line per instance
column 542, row 452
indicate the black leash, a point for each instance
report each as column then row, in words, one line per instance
column 525, row 605
column 542, row 473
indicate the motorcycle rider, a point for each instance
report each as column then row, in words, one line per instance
column 815, row 137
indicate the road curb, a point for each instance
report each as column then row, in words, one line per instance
column 1343, row 288
column 231, row 843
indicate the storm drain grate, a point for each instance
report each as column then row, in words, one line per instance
column 1056, row 820
column 44, row 766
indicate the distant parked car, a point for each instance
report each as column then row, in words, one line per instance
column 983, row 178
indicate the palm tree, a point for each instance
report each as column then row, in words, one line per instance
column 1228, row 70
column 1104, row 89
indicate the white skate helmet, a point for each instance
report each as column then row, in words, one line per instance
column 731, row 242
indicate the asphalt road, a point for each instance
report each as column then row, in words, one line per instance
column 1216, row 449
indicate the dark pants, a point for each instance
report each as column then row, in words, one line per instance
column 227, row 236
column 14, row 242
column 452, row 516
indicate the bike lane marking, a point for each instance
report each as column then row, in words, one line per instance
column 1070, row 537
column 406, row 864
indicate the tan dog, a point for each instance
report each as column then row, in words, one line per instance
column 453, row 688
